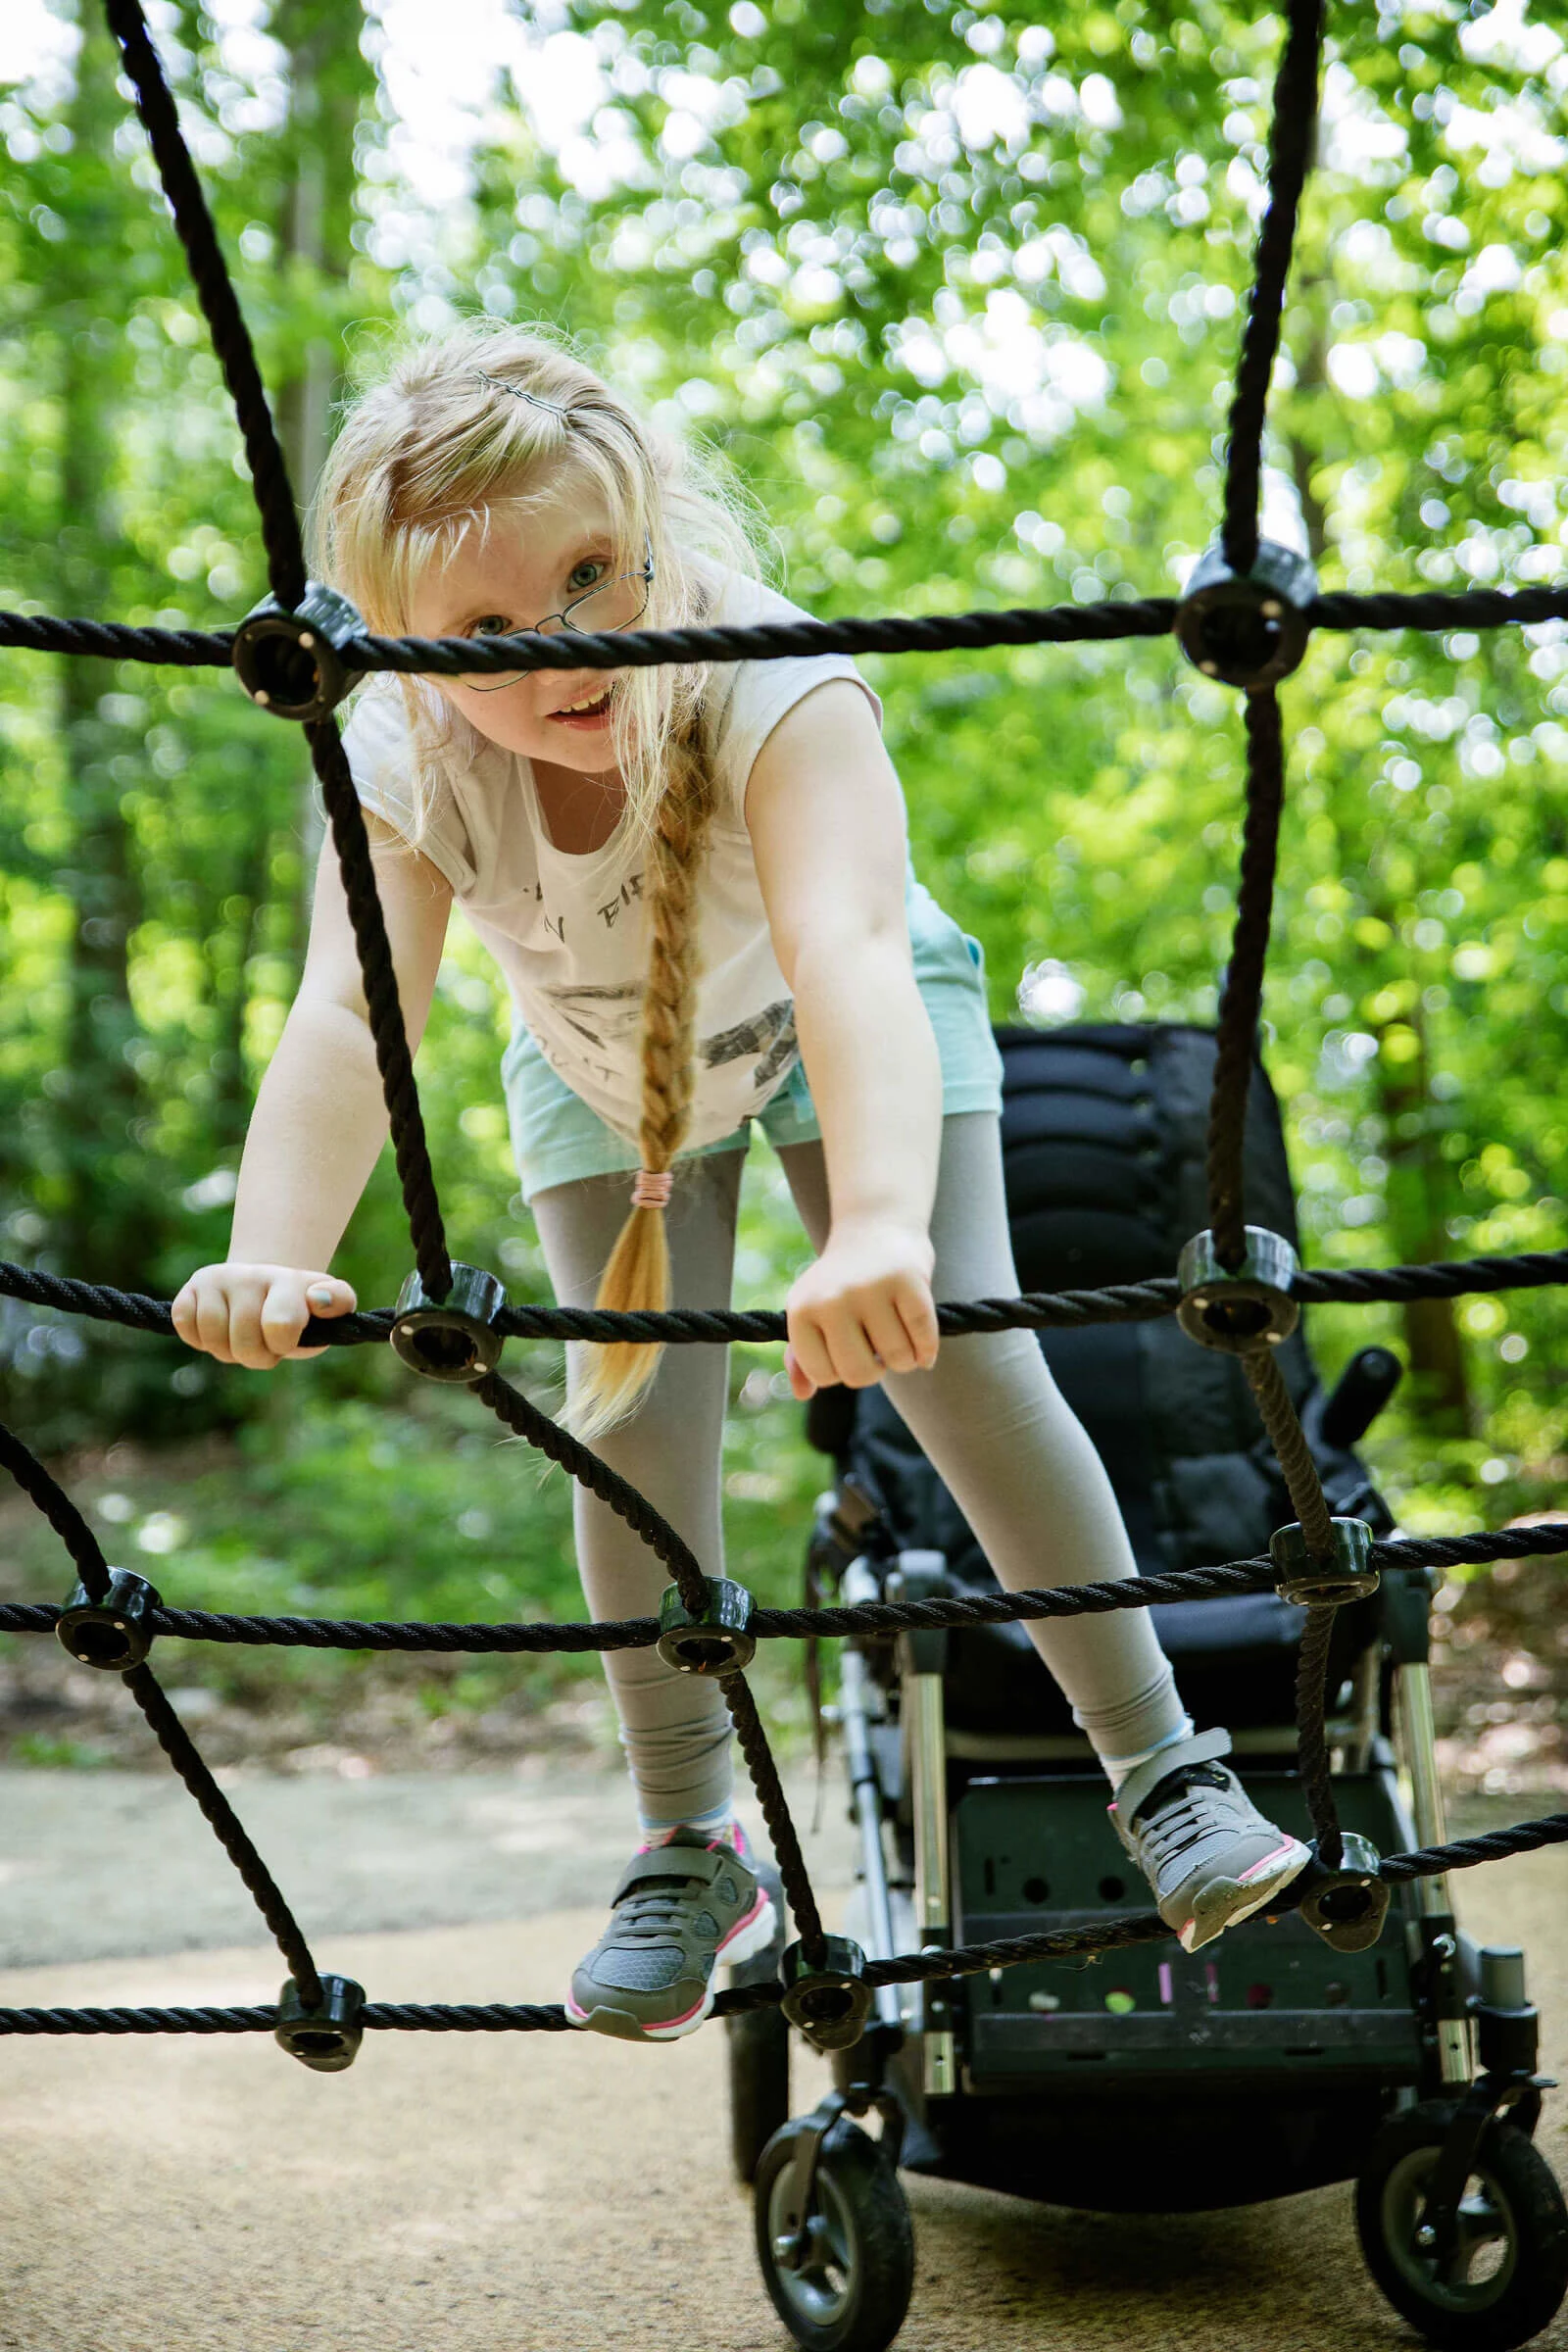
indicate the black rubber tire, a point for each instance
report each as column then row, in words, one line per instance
column 759, row 2083
column 1524, row 2292
column 865, row 2233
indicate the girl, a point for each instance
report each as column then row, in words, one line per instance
column 695, row 884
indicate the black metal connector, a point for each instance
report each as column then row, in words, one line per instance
column 1347, row 1906
column 327, row 2038
column 116, row 1632
column 1235, row 1310
column 829, row 2004
column 451, row 1339
column 717, row 1642
column 1345, row 1574
column 1248, row 628
column 289, row 663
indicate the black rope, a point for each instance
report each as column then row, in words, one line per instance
column 180, row 1749
column 59, row 1511
column 393, row 1059
column 1241, row 1001
column 867, row 1619
column 1290, row 153
column 693, row 1326
column 280, row 530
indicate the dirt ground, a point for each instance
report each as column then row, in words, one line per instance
column 521, row 2193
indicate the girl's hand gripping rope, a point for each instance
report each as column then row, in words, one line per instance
column 863, row 1310
column 254, row 1315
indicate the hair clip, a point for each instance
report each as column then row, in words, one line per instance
column 650, row 1188
column 499, row 383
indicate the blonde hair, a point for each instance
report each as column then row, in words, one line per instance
column 430, row 451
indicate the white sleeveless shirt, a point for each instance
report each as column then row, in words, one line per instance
column 571, row 933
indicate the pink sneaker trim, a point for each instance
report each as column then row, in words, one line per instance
column 1286, row 1847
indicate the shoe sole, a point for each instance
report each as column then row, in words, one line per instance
column 1264, row 1881
column 748, row 1936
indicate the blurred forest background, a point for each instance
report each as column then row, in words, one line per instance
column 958, row 293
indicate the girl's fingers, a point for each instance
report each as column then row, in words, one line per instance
column 248, row 1346
column 283, row 1317
column 812, row 1359
column 885, row 1333
column 800, row 1389
column 212, row 1321
column 918, row 1315
column 853, row 1358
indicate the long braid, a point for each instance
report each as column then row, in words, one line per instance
column 637, row 1273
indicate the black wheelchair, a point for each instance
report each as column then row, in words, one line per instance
column 1280, row 2058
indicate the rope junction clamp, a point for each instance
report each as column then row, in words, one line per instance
column 112, row 1633
column 454, row 1338
column 1237, row 1309
column 719, row 1641
column 288, row 662
column 1325, row 1581
column 1248, row 628
column 327, row 2038
column 829, row 2004
column 1347, row 1906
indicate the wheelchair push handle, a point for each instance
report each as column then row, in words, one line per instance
column 1360, row 1393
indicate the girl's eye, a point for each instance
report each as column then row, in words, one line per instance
column 490, row 624
column 586, row 574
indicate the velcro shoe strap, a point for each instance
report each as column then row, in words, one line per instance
column 674, row 1862
column 1204, row 1748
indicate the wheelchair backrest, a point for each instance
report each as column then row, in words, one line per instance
column 1105, row 1138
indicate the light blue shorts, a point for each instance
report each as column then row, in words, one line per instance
column 558, row 1140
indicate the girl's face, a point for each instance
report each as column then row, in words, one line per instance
column 512, row 577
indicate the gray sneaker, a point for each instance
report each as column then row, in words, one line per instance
column 679, row 1909
column 1209, row 1855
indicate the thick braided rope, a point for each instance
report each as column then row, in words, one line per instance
column 180, row 1749
column 1290, row 154
column 57, row 1508
column 1288, row 1441
column 693, row 1326
column 905, row 1968
column 774, row 1806
column 392, row 1056
column 280, row 530
column 1312, row 1733
column 1243, row 997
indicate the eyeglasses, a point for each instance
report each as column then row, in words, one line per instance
column 613, row 605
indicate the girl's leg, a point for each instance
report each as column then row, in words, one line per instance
column 676, row 1728
column 1016, row 1457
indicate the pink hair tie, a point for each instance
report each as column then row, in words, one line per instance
column 650, row 1191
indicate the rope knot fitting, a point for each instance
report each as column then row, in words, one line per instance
column 829, row 2004
column 453, row 1338
column 1248, row 628
column 290, row 663
column 1347, row 1906
column 1237, row 1309
column 327, row 2038
column 717, row 1639
column 1326, row 1579
column 116, row 1632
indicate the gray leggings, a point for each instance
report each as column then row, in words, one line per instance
column 988, row 1415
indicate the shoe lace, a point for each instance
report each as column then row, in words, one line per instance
column 1179, row 1817
column 652, row 1911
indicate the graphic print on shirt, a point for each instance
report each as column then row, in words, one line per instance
column 769, row 1033
column 604, row 1013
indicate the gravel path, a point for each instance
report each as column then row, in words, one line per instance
column 521, row 2193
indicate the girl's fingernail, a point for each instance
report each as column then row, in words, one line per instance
column 318, row 1295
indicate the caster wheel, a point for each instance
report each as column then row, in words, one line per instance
column 1509, row 2270
column 759, row 2083
column 848, row 2287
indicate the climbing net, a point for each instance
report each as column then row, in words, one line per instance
column 1245, row 619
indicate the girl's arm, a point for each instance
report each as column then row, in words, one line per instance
column 320, row 1120
column 826, row 821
